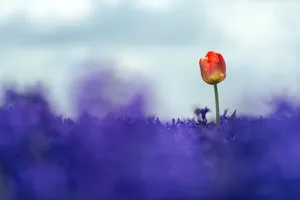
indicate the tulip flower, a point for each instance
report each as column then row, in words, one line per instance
column 213, row 71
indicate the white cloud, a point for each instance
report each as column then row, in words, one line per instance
column 154, row 5
column 254, row 28
column 8, row 8
column 47, row 10
column 111, row 2
column 132, row 61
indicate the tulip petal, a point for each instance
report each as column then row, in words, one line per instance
column 222, row 63
column 205, row 69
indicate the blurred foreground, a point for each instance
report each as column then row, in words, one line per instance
column 114, row 151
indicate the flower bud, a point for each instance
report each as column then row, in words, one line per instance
column 213, row 68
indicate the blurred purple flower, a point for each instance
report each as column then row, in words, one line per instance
column 201, row 112
column 122, row 154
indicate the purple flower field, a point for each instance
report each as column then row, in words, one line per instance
column 126, row 155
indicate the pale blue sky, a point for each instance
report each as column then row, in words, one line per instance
column 47, row 40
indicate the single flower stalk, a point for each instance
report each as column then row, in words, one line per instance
column 213, row 71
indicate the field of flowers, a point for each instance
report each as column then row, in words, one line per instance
column 126, row 155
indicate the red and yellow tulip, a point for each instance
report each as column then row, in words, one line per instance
column 213, row 71
column 213, row 67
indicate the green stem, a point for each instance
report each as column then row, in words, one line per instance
column 217, row 104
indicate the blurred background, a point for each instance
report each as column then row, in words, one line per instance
column 56, row 41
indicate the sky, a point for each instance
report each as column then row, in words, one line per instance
column 53, row 41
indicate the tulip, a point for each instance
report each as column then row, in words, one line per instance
column 213, row 71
